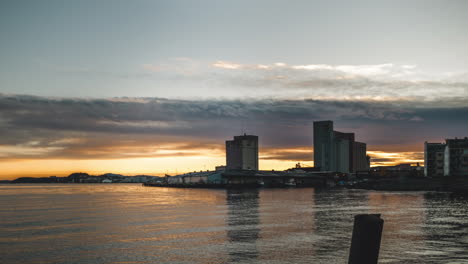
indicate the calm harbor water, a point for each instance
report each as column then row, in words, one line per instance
column 129, row 223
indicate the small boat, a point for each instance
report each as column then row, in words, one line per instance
column 290, row 183
column 261, row 183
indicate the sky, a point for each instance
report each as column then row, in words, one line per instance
column 156, row 87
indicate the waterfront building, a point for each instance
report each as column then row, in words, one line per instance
column 456, row 157
column 337, row 151
column 242, row 153
column 344, row 151
column 446, row 159
column 324, row 150
column 220, row 168
column 434, row 159
column 400, row 170
column 343, row 155
column 360, row 159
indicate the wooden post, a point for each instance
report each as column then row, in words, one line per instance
column 365, row 243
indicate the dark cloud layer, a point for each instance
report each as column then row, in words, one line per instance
column 95, row 128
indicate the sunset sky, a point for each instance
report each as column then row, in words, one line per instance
column 156, row 87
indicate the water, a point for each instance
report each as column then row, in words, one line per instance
column 129, row 223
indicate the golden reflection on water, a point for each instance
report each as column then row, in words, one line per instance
column 404, row 214
column 112, row 223
column 286, row 215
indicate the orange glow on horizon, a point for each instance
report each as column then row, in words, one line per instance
column 382, row 158
column 149, row 166
column 172, row 162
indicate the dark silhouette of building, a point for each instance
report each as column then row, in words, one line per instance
column 324, row 150
column 449, row 159
column 344, row 144
column 243, row 220
column 434, row 159
column 242, row 153
column 360, row 158
column 337, row 151
column 456, row 157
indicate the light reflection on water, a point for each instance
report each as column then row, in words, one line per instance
column 129, row 223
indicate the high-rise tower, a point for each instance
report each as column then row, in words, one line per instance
column 324, row 150
column 242, row 153
column 337, row 151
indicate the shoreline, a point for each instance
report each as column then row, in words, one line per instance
column 458, row 186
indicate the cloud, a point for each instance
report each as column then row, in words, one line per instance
column 384, row 82
column 381, row 158
column 227, row 65
column 41, row 127
column 288, row 154
column 376, row 82
column 362, row 70
column 180, row 67
column 381, row 71
column 151, row 67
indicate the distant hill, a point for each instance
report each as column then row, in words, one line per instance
column 35, row 180
column 82, row 177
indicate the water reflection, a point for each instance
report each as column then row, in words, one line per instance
column 404, row 216
column 128, row 223
column 243, row 224
column 445, row 228
column 287, row 225
column 334, row 220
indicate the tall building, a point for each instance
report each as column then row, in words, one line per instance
column 456, row 157
column 337, row 151
column 360, row 158
column 434, row 159
column 242, row 153
column 324, row 148
column 449, row 159
column 344, row 151
column 342, row 155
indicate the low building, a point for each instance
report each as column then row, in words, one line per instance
column 197, row 178
column 400, row 170
column 220, row 168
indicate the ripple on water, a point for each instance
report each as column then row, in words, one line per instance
column 129, row 223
